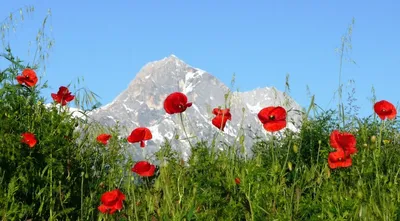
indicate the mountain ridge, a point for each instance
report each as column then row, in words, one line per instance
column 141, row 105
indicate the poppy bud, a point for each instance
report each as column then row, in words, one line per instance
column 359, row 194
column 327, row 172
column 365, row 145
column 237, row 180
column 295, row 148
column 275, row 168
column 290, row 165
column 373, row 139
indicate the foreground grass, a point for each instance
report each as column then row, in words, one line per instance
column 287, row 179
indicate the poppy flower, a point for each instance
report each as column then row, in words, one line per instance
column 63, row 96
column 237, row 180
column 140, row 134
column 176, row 102
column 222, row 116
column 339, row 159
column 343, row 140
column 345, row 145
column 111, row 201
column 27, row 77
column 29, row 139
column 144, row 169
column 273, row 118
column 103, row 138
column 385, row 109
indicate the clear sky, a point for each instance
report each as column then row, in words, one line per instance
column 107, row 42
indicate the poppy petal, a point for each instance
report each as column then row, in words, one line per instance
column 385, row 109
column 343, row 140
column 139, row 134
column 264, row 114
column 274, row 126
column 176, row 103
column 143, row 168
column 339, row 159
column 63, row 96
column 102, row 208
column 103, row 138
column 273, row 118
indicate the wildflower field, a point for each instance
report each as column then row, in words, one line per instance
column 54, row 166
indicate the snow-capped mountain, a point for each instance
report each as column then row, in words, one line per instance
column 141, row 105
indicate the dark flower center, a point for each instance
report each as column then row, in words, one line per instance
column 271, row 117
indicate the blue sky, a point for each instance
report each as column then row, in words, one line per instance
column 260, row 41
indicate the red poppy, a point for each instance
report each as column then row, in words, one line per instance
column 273, row 118
column 343, row 140
column 222, row 116
column 237, row 180
column 144, row 168
column 140, row 134
column 103, row 138
column 63, row 96
column 176, row 102
column 339, row 159
column 29, row 139
column 27, row 77
column 385, row 109
column 111, row 201
column 345, row 145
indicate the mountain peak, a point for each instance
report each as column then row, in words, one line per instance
column 173, row 58
column 141, row 104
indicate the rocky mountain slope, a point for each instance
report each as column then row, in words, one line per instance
column 141, row 105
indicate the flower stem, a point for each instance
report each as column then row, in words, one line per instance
column 83, row 176
column 51, row 185
column 184, row 130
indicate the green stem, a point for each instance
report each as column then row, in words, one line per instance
column 51, row 185
column 340, row 105
column 250, row 203
column 286, row 160
column 134, row 199
column 184, row 130
column 83, row 176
